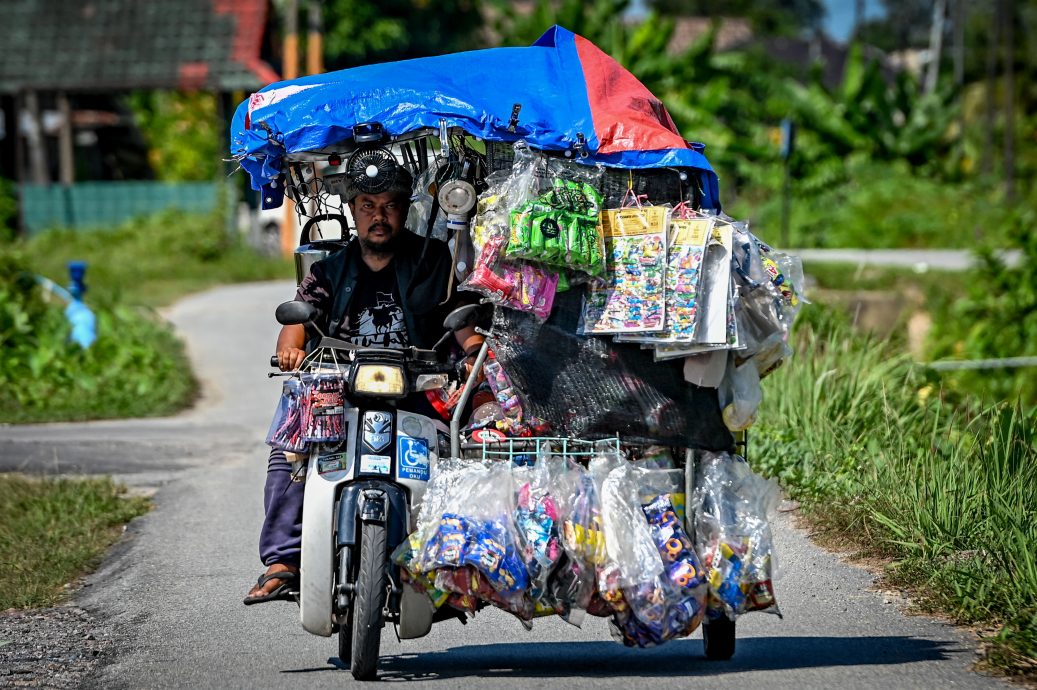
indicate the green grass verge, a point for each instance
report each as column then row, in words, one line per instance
column 137, row 367
column 948, row 495
column 881, row 206
column 52, row 531
column 154, row 260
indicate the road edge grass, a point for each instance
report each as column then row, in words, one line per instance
column 943, row 494
column 55, row 530
column 137, row 367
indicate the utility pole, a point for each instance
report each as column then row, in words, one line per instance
column 290, row 70
column 932, row 75
column 987, row 155
column 315, row 40
column 1008, row 19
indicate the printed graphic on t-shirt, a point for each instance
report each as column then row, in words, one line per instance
column 379, row 324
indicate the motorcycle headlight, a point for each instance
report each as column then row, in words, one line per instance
column 379, row 379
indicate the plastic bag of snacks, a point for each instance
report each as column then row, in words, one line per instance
column 674, row 602
column 467, row 521
column 631, row 555
column 733, row 507
column 536, row 518
column 286, row 428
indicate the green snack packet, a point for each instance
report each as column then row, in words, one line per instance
column 519, row 234
column 556, row 237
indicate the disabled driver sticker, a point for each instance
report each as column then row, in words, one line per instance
column 412, row 458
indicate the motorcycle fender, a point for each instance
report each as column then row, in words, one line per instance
column 317, row 566
column 416, row 611
column 373, row 501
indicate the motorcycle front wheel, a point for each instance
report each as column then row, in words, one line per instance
column 368, row 602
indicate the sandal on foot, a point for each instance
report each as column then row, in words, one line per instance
column 286, row 591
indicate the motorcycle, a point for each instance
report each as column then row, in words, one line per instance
column 362, row 491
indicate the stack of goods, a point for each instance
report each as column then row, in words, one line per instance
column 536, row 234
column 684, row 284
column 558, row 538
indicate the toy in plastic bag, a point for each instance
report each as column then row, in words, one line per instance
column 511, row 284
column 674, row 603
column 633, row 297
column 629, row 549
column 536, row 517
column 286, row 428
column 570, row 584
column 733, row 508
column 323, row 408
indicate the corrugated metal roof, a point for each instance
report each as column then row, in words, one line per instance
column 105, row 45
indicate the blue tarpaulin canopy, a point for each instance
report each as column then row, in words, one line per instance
column 568, row 96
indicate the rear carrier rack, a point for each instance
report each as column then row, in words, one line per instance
column 524, row 451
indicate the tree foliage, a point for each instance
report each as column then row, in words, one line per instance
column 359, row 32
column 766, row 16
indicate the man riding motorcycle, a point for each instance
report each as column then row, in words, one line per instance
column 388, row 288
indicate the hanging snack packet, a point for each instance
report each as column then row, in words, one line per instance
column 323, row 408
column 511, row 284
column 286, row 428
column 632, row 299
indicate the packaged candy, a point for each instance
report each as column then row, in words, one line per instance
column 286, row 427
column 514, row 285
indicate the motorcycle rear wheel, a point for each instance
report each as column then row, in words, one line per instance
column 368, row 602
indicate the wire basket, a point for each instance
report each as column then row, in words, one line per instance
column 524, row 451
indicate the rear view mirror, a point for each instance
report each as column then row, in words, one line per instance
column 295, row 313
column 460, row 317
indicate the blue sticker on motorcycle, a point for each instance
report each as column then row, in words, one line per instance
column 412, row 458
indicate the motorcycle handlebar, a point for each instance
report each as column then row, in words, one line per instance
column 273, row 361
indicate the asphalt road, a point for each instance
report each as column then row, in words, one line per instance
column 172, row 591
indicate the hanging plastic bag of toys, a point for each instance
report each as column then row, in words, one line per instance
column 674, row 603
column 286, row 427
column 631, row 555
column 571, row 583
column 733, row 510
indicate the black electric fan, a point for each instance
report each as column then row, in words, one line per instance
column 371, row 170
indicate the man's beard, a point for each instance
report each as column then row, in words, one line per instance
column 384, row 247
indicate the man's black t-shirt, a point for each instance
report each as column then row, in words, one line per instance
column 375, row 315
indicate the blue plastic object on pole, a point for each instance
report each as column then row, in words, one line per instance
column 83, row 321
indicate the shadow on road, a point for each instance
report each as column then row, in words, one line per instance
column 680, row 658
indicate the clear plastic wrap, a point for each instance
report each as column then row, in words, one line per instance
column 557, row 225
column 740, row 394
column 537, row 521
column 323, row 407
column 633, row 297
column 673, row 603
column 473, row 525
column 631, row 555
column 571, row 583
column 733, row 509
column 286, row 427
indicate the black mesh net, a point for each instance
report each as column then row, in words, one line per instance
column 592, row 387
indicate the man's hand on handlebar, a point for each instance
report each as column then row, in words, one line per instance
column 289, row 358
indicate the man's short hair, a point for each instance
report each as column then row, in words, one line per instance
column 402, row 186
